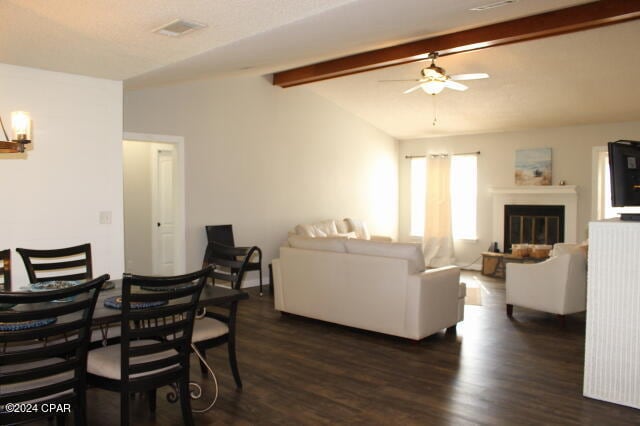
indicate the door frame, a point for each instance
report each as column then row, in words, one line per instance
column 179, row 199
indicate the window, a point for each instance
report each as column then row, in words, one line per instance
column 464, row 196
column 418, row 195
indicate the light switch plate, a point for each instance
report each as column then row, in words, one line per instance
column 105, row 218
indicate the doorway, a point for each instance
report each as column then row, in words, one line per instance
column 154, row 230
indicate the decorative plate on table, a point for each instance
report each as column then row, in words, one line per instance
column 115, row 302
column 54, row 285
column 24, row 325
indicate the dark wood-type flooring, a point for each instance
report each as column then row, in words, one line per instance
column 299, row 371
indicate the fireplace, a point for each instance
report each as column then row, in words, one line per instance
column 562, row 195
column 533, row 224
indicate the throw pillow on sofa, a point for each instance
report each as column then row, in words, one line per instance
column 359, row 228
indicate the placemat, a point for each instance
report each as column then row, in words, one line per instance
column 115, row 302
column 24, row 325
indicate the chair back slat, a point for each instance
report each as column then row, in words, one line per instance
column 173, row 362
column 44, row 349
column 229, row 263
column 42, row 392
column 161, row 333
column 69, row 263
column 5, row 270
column 34, row 373
column 221, row 234
column 50, row 350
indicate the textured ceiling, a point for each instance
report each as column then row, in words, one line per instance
column 354, row 27
column 584, row 77
column 113, row 39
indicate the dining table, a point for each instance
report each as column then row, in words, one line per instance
column 212, row 295
column 105, row 317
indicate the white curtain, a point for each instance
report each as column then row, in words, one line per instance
column 438, row 236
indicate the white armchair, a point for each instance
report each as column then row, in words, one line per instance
column 557, row 285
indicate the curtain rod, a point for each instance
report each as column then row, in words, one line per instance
column 408, row 157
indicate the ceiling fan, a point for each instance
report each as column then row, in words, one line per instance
column 435, row 79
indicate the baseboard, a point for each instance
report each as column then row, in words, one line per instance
column 473, row 267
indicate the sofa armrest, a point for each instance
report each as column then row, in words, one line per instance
column 382, row 238
column 432, row 300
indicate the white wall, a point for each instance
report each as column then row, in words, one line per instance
column 571, row 162
column 265, row 159
column 53, row 195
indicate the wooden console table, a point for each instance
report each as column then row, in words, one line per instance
column 494, row 264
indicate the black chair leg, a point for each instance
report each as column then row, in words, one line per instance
column 185, row 403
column 151, row 395
column 260, row 272
column 124, row 408
column 203, row 368
column 233, row 362
column 80, row 410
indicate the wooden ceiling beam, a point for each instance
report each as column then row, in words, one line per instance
column 571, row 19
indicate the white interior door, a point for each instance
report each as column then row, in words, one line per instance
column 164, row 252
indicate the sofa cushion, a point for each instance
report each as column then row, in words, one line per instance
column 305, row 231
column 342, row 226
column 326, row 226
column 345, row 235
column 322, row 244
column 409, row 251
column 359, row 228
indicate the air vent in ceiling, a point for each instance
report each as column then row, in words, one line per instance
column 179, row 27
column 494, row 5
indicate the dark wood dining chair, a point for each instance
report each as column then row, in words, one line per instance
column 223, row 234
column 67, row 264
column 155, row 345
column 70, row 263
column 5, row 270
column 43, row 349
column 229, row 266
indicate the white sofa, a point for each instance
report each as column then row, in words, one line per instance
column 351, row 228
column 377, row 286
column 558, row 285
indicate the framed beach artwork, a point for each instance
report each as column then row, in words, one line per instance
column 533, row 166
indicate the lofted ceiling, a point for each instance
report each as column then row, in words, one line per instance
column 582, row 77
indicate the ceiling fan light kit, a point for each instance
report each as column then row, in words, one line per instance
column 433, row 87
column 435, row 79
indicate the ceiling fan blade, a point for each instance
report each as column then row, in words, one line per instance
column 387, row 81
column 412, row 89
column 455, row 86
column 476, row 76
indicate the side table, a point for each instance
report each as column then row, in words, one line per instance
column 494, row 264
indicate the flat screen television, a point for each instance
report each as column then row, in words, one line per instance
column 624, row 165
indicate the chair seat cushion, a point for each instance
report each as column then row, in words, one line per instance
column 35, row 383
column 105, row 362
column 208, row 328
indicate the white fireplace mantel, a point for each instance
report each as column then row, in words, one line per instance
column 564, row 195
column 555, row 189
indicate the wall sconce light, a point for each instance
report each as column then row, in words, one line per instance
column 21, row 124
